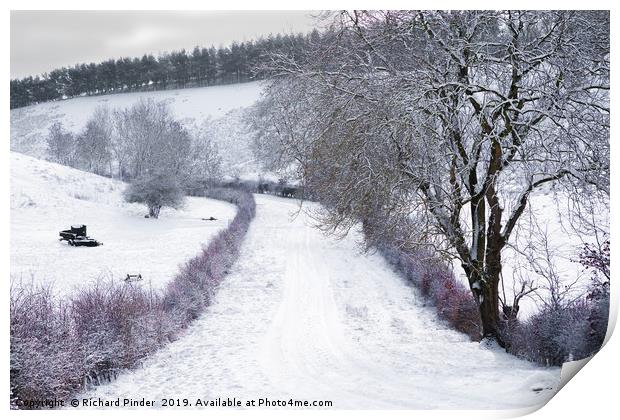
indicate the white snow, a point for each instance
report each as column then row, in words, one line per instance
column 306, row 317
column 47, row 198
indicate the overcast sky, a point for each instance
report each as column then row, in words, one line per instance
column 44, row 40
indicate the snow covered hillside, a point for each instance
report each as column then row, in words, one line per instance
column 47, row 198
column 306, row 317
column 214, row 106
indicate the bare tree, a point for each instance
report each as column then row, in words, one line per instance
column 120, row 144
column 148, row 138
column 94, row 144
column 61, row 144
column 205, row 161
column 453, row 120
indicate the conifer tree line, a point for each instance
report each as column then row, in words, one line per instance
column 177, row 69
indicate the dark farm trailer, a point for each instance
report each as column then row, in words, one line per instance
column 76, row 236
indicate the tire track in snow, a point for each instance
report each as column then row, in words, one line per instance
column 306, row 317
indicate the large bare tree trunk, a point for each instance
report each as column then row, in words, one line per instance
column 484, row 287
column 489, row 311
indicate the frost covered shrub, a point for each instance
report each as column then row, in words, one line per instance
column 117, row 325
column 559, row 334
column 599, row 316
column 45, row 362
column 59, row 346
column 550, row 337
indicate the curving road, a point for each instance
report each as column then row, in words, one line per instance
column 306, row 317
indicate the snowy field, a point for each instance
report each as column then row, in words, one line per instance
column 216, row 106
column 306, row 317
column 47, row 198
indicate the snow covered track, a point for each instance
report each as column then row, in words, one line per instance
column 305, row 317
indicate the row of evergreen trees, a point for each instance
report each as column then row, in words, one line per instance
column 177, row 69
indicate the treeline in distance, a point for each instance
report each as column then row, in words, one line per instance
column 177, row 69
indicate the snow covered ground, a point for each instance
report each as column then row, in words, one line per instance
column 216, row 106
column 306, row 317
column 47, row 198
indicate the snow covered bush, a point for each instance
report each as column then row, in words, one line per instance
column 573, row 330
column 156, row 191
column 117, row 325
column 557, row 335
column 561, row 331
column 45, row 360
column 60, row 346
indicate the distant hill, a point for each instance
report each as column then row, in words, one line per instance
column 218, row 106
